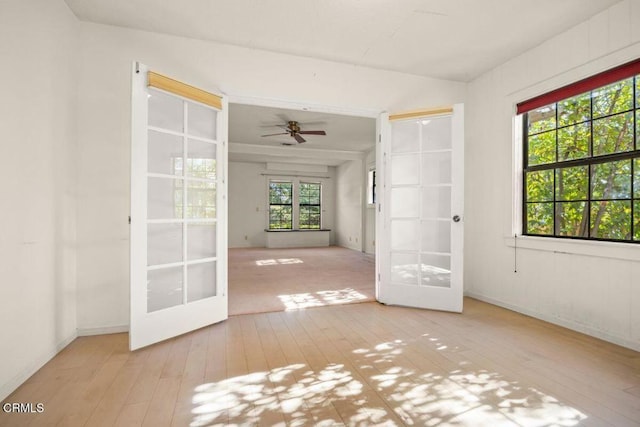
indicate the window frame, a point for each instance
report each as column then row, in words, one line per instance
column 590, row 161
column 309, row 205
column 290, row 204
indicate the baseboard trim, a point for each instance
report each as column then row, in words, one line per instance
column 557, row 321
column 11, row 386
column 118, row 329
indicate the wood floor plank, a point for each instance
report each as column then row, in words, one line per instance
column 357, row 364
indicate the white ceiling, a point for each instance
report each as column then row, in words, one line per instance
column 451, row 39
column 347, row 137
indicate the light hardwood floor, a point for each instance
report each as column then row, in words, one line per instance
column 263, row 280
column 359, row 364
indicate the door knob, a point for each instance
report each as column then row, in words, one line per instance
column 456, row 218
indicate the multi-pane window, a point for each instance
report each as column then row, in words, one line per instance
column 582, row 165
column 280, row 205
column 309, row 205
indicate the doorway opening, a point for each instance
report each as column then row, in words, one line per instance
column 301, row 221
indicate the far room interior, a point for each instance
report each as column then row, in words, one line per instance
column 300, row 206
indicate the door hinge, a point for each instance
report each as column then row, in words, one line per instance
column 379, row 137
column 129, row 219
column 378, row 277
column 379, row 207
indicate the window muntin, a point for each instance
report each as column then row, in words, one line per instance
column 280, row 205
column 309, row 206
column 581, row 163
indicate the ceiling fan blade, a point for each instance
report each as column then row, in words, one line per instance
column 312, row 132
column 274, row 134
column 299, row 138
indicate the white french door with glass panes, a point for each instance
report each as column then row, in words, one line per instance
column 421, row 229
column 178, row 208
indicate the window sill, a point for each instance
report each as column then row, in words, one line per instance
column 289, row 230
column 622, row 251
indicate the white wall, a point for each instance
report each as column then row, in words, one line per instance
column 37, row 168
column 598, row 294
column 106, row 55
column 349, row 204
column 249, row 207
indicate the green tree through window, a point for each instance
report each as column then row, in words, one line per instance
column 582, row 165
column 309, row 206
column 280, row 205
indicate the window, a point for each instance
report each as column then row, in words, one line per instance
column 309, row 200
column 581, row 163
column 371, row 187
column 280, row 205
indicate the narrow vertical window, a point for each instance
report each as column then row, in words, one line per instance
column 280, row 205
column 309, row 202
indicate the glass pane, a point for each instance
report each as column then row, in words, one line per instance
column 540, row 186
column 405, row 136
column 542, row 148
column 201, row 241
column 542, row 119
column 405, row 235
column 436, row 202
column 611, row 180
column 613, row 134
column 201, row 281
column 201, row 121
column 201, row 159
column 614, row 98
column 574, row 110
column 574, row 141
column 611, row 220
column 540, row 218
column 404, row 268
column 436, row 133
column 572, row 183
column 435, row 270
column 165, row 111
column 165, row 153
column 201, row 200
column 436, row 236
column 309, row 217
column 405, row 202
column 636, row 178
column 572, row 219
column 164, row 196
column 436, row 168
column 636, row 220
column 404, row 169
column 164, row 288
column 280, row 217
column 280, row 193
column 164, row 243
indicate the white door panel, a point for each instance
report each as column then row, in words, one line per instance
column 421, row 231
column 178, row 214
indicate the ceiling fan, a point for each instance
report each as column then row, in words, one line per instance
column 292, row 128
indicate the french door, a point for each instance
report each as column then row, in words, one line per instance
column 178, row 208
column 421, row 157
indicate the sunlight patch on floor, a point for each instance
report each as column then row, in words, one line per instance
column 320, row 298
column 279, row 261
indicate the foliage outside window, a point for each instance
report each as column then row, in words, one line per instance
column 309, row 204
column 280, row 205
column 201, row 191
column 582, row 165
